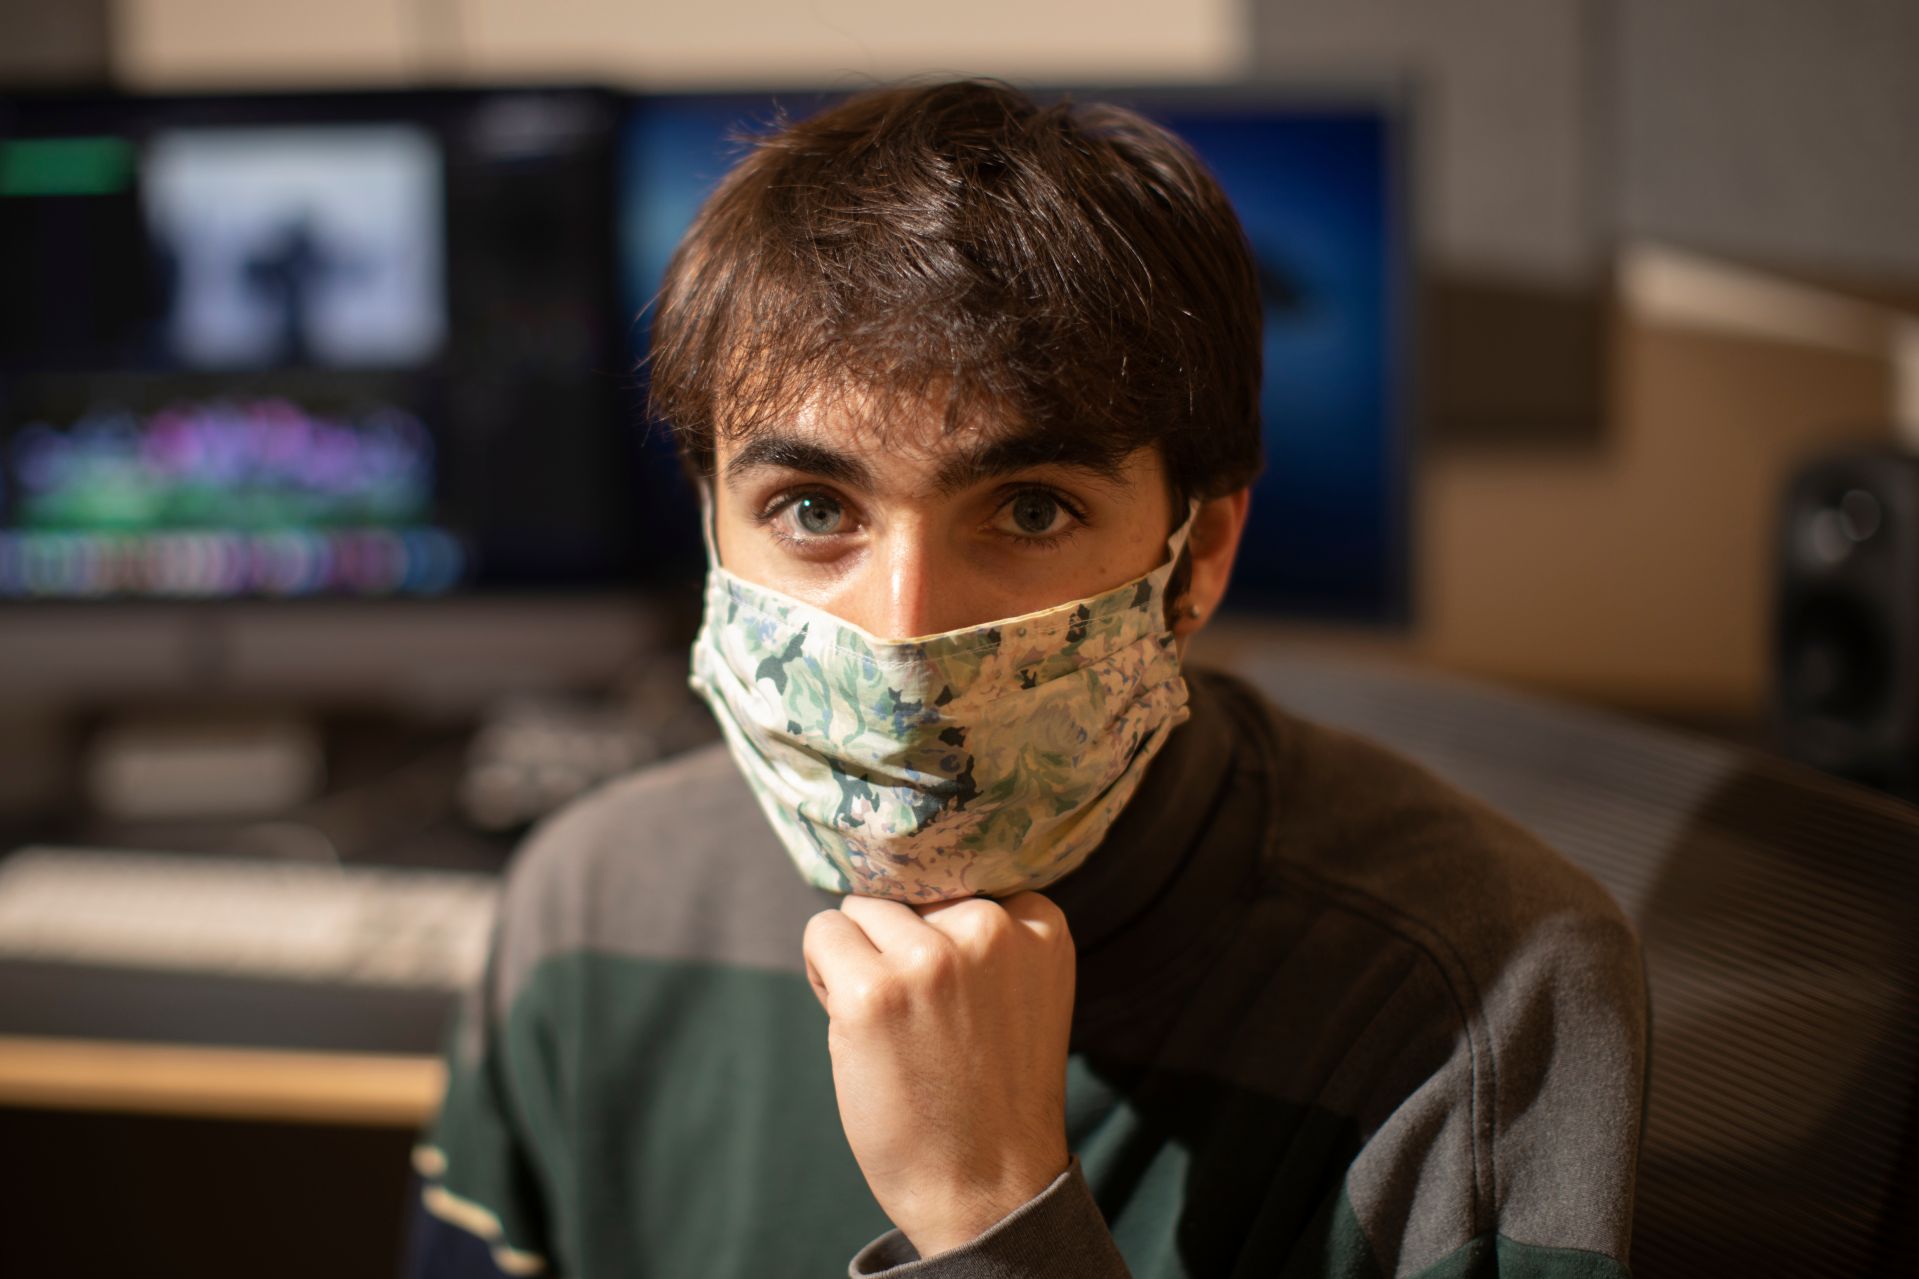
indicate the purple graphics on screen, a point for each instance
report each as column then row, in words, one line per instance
column 311, row 245
column 223, row 499
column 264, row 463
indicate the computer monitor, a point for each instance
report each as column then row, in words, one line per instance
column 277, row 371
column 1319, row 183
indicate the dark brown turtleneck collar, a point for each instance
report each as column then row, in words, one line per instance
column 1179, row 865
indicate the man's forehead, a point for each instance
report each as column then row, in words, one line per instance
column 859, row 420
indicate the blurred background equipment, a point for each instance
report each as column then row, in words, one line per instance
column 295, row 348
column 155, row 770
column 282, row 346
column 255, row 918
column 530, row 754
column 1847, row 696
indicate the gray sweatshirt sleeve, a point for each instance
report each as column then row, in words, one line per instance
column 1059, row 1234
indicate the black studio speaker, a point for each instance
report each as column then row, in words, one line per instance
column 1846, row 618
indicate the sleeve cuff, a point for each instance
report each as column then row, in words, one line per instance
column 1058, row 1233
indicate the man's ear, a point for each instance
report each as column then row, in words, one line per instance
column 1211, row 547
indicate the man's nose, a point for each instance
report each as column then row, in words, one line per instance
column 908, row 592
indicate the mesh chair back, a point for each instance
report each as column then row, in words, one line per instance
column 1780, row 915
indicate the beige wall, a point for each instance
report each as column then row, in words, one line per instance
column 1639, row 572
column 164, row 44
column 652, row 42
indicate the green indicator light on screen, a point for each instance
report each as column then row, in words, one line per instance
column 65, row 166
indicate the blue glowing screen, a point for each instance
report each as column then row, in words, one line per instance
column 1318, row 188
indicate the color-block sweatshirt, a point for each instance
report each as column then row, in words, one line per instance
column 1333, row 1018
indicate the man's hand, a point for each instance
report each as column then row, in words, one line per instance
column 949, row 1029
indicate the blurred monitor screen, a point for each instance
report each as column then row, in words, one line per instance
column 1319, row 185
column 346, row 345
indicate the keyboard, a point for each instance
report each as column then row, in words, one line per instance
column 283, row 921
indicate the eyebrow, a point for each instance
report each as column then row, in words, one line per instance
column 1022, row 451
column 1019, row 451
column 774, row 450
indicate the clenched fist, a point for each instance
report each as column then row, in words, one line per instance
column 948, row 1030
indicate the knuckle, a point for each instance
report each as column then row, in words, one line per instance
column 853, row 1002
column 987, row 919
column 1036, row 906
column 931, row 958
column 1043, row 916
column 872, row 1001
column 817, row 925
column 975, row 935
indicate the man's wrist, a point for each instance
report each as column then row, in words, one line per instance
column 1060, row 1231
column 965, row 1217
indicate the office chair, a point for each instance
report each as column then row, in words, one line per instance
column 1779, row 910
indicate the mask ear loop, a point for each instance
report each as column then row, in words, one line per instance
column 1180, row 581
column 707, row 516
column 1178, row 539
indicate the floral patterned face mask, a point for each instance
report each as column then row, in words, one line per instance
column 981, row 761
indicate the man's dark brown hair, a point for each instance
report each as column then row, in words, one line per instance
column 1069, row 270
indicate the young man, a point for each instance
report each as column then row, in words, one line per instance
column 1090, row 967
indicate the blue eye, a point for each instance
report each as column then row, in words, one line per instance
column 817, row 515
column 1035, row 512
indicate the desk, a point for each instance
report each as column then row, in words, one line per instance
column 182, row 1123
column 366, row 1089
column 181, row 1043
column 124, row 1040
